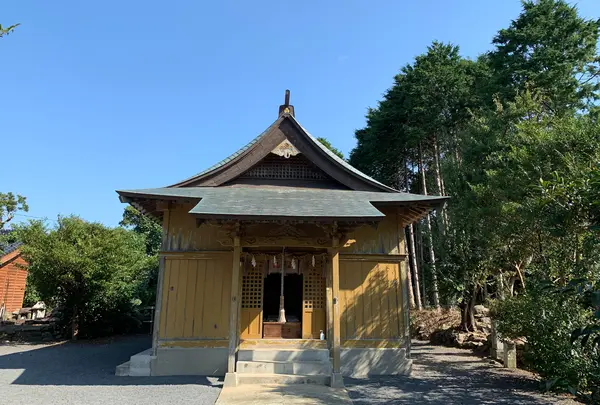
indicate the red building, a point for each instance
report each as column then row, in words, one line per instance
column 13, row 278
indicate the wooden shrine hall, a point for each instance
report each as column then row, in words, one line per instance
column 280, row 261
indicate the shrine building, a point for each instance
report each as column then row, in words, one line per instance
column 281, row 261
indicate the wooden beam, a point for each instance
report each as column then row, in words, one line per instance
column 234, row 304
column 373, row 257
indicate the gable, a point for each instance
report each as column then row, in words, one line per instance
column 285, row 155
column 285, row 166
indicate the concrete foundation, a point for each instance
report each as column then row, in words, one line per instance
column 289, row 363
column 230, row 380
column 337, row 381
column 368, row 362
column 190, row 361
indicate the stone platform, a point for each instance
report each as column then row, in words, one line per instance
column 283, row 394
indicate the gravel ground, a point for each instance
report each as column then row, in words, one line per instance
column 444, row 375
column 83, row 374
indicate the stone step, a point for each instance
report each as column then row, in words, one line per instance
column 284, row 367
column 122, row 370
column 284, row 355
column 140, row 364
column 254, row 379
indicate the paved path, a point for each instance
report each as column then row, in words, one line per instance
column 444, row 375
column 83, row 374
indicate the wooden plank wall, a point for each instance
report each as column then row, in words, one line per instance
column 185, row 235
column 196, row 297
column 387, row 238
column 371, row 300
column 13, row 279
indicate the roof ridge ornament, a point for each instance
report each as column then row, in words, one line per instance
column 286, row 108
column 285, row 149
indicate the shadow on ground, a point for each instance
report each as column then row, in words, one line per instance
column 82, row 363
column 443, row 375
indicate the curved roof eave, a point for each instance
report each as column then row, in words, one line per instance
column 322, row 149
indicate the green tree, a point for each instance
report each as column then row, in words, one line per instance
column 10, row 204
column 329, row 146
column 145, row 226
column 89, row 271
column 415, row 125
column 552, row 49
column 513, row 138
column 151, row 232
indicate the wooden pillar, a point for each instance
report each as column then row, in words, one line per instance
column 234, row 305
column 161, row 277
column 336, row 378
column 403, row 268
column 329, row 306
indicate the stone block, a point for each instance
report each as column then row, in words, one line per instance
column 497, row 349
column 337, row 381
column 510, row 354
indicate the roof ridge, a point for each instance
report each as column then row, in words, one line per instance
column 341, row 161
column 333, row 157
column 228, row 158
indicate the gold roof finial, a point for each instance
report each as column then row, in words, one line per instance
column 286, row 108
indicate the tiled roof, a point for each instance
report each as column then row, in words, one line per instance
column 285, row 202
column 339, row 160
column 230, row 157
column 8, row 248
column 326, row 150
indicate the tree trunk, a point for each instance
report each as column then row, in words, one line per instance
column 501, row 285
column 434, row 282
column 440, row 184
column 414, row 293
column 468, row 312
column 520, row 274
column 424, row 297
column 415, row 267
column 411, row 294
column 75, row 323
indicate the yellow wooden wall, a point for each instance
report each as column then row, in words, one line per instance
column 184, row 235
column 196, row 296
column 386, row 238
column 371, row 301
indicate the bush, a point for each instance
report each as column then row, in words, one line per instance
column 547, row 319
column 97, row 275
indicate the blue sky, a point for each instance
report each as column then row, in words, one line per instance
column 106, row 95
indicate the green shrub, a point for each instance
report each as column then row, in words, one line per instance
column 547, row 319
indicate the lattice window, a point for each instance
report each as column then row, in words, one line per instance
column 292, row 168
column 314, row 289
column 252, row 289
